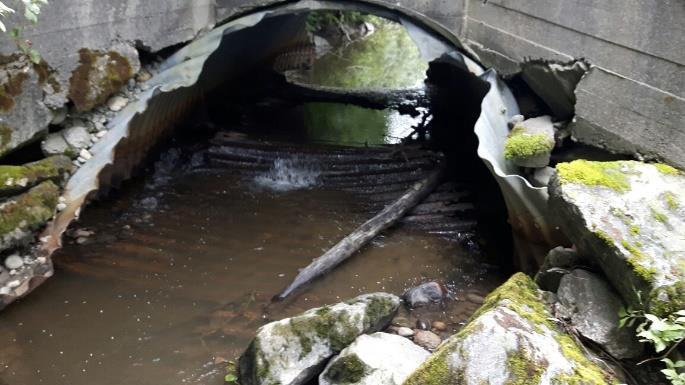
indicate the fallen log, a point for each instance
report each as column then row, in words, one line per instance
column 366, row 232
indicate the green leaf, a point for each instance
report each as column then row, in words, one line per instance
column 34, row 55
column 231, row 378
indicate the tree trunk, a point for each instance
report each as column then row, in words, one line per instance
column 366, row 232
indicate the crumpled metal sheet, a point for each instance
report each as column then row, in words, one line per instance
column 186, row 76
column 534, row 235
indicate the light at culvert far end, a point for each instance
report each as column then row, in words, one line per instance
column 230, row 49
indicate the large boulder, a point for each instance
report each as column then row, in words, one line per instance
column 376, row 359
column 629, row 216
column 16, row 179
column 24, row 117
column 593, row 307
column 294, row 350
column 21, row 215
column 511, row 340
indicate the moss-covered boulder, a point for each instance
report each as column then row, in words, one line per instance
column 530, row 143
column 16, row 179
column 100, row 74
column 24, row 118
column 294, row 350
column 511, row 340
column 21, row 215
column 630, row 217
column 376, row 359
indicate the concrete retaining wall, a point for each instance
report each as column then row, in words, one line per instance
column 633, row 101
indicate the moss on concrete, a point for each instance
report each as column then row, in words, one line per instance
column 521, row 145
column 347, row 370
column 89, row 85
column 15, row 179
column 606, row 174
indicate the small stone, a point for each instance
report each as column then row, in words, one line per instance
column 422, row 325
column 41, row 260
column 59, row 116
column 424, row 294
column 4, row 290
column 61, row 199
column 13, row 272
column 117, row 103
column 61, row 206
column 404, row 331
column 80, row 160
column 77, row 137
column 475, row 298
column 427, row 340
column 85, row 154
column 439, row 326
column 55, row 144
column 14, row 262
column 82, row 233
column 143, row 76
column 13, row 284
column 101, row 133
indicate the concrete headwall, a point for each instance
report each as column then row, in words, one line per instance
column 633, row 100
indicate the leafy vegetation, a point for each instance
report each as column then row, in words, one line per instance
column 32, row 9
column 665, row 334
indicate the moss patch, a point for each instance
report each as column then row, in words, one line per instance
column 666, row 169
column 347, row 370
column 521, row 145
column 666, row 300
column 30, row 210
column 606, row 174
column 658, row 215
column 339, row 329
column 523, row 370
column 671, row 200
column 585, row 372
column 15, row 179
column 637, row 262
column 89, row 85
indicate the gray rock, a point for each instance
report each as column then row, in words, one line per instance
column 117, row 103
column 630, row 216
column 55, row 144
column 511, row 341
column 541, row 176
column 77, row 137
column 14, row 262
column 405, row 332
column 376, row 359
column 594, row 310
column 293, row 350
column 424, row 294
column 59, row 115
column 427, row 340
column 558, row 262
column 24, row 117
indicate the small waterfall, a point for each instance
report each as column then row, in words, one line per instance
column 289, row 174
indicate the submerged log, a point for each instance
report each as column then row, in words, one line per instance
column 366, row 232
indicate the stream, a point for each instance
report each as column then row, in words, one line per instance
column 168, row 278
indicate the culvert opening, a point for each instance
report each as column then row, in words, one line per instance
column 169, row 275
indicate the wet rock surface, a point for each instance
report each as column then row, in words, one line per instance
column 294, row 350
column 630, row 217
column 427, row 340
column 594, row 307
column 425, row 294
column 511, row 340
column 558, row 262
column 376, row 359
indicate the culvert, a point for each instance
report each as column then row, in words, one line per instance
column 377, row 176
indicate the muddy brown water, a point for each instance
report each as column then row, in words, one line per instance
column 180, row 271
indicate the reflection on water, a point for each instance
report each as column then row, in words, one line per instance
column 388, row 58
column 164, row 293
column 341, row 123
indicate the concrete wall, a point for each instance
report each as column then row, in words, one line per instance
column 633, row 101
